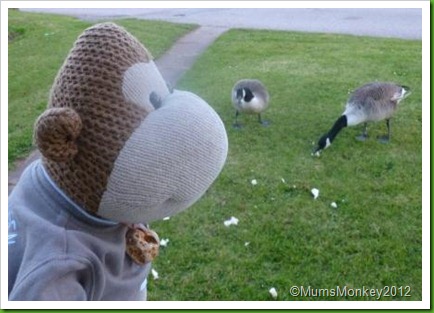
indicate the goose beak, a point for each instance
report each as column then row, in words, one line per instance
column 323, row 143
column 316, row 152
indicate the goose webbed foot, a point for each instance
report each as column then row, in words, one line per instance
column 362, row 137
column 384, row 139
column 237, row 125
column 263, row 122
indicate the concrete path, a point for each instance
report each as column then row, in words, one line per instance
column 406, row 24
column 182, row 55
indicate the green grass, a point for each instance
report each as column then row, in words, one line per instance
column 373, row 238
column 38, row 45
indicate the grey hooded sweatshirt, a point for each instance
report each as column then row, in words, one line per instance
column 57, row 251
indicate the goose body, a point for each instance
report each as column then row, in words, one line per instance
column 370, row 103
column 251, row 97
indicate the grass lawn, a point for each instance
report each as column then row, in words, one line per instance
column 38, row 45
column 284, row 237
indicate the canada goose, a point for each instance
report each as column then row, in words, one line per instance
column 250, row 96
column 371, row 102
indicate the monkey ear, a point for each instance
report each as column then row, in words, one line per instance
column 56, row 132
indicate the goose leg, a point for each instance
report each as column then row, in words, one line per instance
column 236, row 124
column 364, row 135
column 385, row 138
column 262, row 122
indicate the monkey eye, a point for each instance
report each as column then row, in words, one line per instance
column 155, row 100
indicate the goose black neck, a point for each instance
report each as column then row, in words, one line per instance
column 248, row 95
column 340, row 123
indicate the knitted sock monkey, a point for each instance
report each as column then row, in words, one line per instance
column 119, row 144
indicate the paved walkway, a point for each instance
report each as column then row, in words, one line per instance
column 213, row 22
column 181, row 57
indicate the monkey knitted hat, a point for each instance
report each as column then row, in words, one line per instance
column 117, row 141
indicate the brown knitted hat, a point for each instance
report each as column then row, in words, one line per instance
column 101, row 99
column 94, row 114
